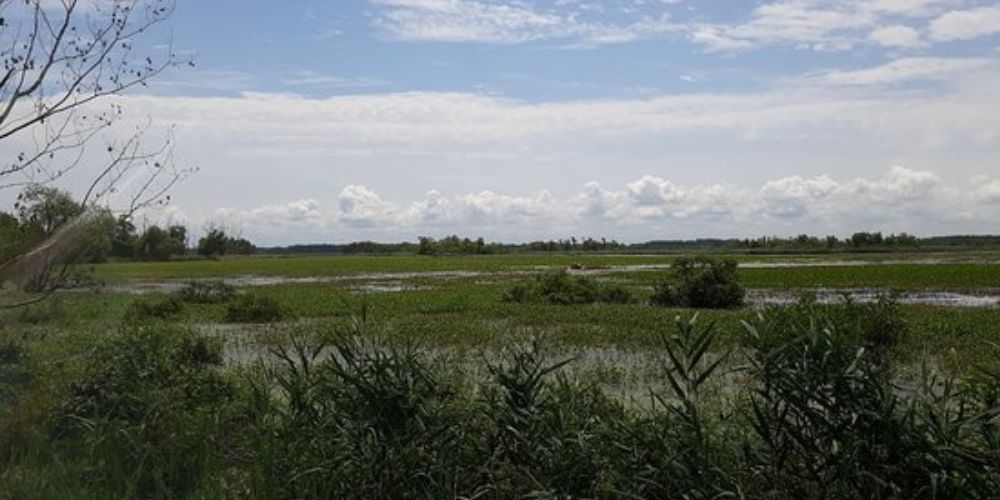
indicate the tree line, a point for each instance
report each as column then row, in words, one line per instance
column 40, row 211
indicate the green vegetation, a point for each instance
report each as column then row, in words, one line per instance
column 152, row 309
column 445, row 389
column 561, row 289
column 207, row 292
column 254, row 308
column 353, row 410
column 702, row 283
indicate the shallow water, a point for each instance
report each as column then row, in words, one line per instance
column 983, row 298
column 383, row 282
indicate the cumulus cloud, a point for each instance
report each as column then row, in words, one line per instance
column 362, row 207
column 966, row 24
column 648, row 204
column 295, row 212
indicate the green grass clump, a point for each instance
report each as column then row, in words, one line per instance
column 700, row 283
column 157, row 308
column 139, row 421
column 254, row 308
column 561, row 289
column 207, row 292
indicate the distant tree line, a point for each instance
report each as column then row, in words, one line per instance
column 451, row 245
column 455, row 245
column 40, row 211
column 858, row 240
column 574, row 245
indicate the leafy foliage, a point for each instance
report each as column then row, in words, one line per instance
column 700, row 282
column 145, row 413
column 562, row 289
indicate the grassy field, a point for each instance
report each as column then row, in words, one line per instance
column 171, row 397
column 459, row 309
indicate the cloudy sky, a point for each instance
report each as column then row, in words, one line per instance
column 332, row 121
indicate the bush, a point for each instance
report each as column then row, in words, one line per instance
column 252, row 308
column 154, row 309
column 830, row 422
column 561, row 289
column 701, row 282
column 143, row 417
column 351, row 416
column 207, row 292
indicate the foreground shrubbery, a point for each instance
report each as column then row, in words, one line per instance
column 700, row 282
column 816, row 413
column 561, row 289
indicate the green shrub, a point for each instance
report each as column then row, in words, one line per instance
column 831, row 423
column 13, row 371
column 154, row 309
column 143, row 417
column 207, row 292
column 700, row 282
column 561, row 289
column 352, row 416
column 253, row 308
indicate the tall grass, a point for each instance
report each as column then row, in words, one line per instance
column 809, row 405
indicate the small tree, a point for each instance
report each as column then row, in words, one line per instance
column 158, row 244
column 45, row 208
column 213, row 244
column 124, row 239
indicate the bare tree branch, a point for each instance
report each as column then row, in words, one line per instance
column 59, row 61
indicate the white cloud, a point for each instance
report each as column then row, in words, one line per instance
column 792, row 196
column 508, row 22
column 362, row 207
column 989, row 192
column 907, row 69
column 823, row 25
column 682, row 164
column 966, row 24
column 295, row 212
column 814, row 205
column 896, row 36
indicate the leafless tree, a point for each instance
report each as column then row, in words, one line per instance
column 64, row 63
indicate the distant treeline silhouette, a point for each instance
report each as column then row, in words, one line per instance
column 455, row 245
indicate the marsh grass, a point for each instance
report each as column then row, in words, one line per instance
column 355, row 407
column 255, row 308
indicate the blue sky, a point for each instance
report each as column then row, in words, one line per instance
column 340, row 120
column 592, row 49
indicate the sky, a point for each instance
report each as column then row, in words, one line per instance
column 331, row 121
